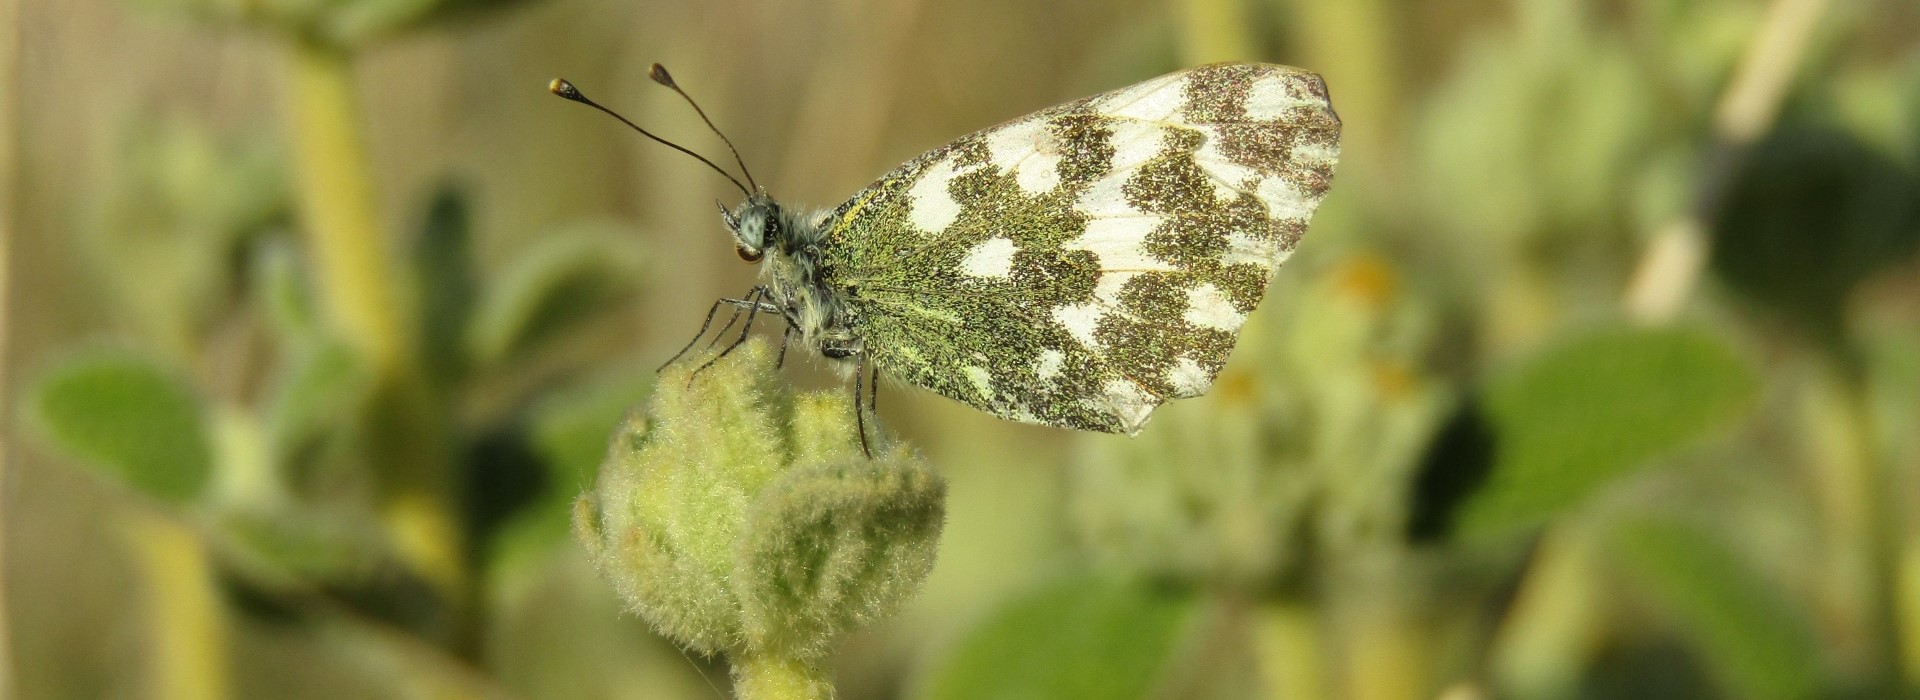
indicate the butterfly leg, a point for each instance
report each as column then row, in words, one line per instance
column 859, row 415
column 741, row 305
column 755, row 303
column 737, row 304
column 785, row 338
column 696, row 337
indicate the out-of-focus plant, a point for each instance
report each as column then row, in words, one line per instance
column 1253, row 500
column 350, row 23
column 1360, row 467
column 740, row 519
column 241, row 409
column 1300, row 451
column 175, row 412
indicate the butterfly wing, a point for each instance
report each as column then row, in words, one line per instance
column 1084, row 264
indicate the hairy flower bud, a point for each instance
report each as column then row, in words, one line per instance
column 738, row 518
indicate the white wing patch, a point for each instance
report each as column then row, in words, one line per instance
column 1189, row 378
column 1080, row 321
column 1025, row 149
column 1048, row 367
column 991, row 258
column 1156, row 100
column 1128, row 402
column 982, row 381
column 933, row 208
column 1274, row 97
column 1120, row 243
column 1244, row 249
column 1208, row 307
column 1284, row 201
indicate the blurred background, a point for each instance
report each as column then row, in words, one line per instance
column 1597, row 376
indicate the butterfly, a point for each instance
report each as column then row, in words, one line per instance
column 1076, row 267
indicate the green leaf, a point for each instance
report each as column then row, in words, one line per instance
column 560, row 282
column 443, row 267
column 285, row 296
column 571, row 425
column 1595, row 409
column 131, row 419
column 1087, row 638
column 1813, row 213
column 315, row 398
column 1757, row 643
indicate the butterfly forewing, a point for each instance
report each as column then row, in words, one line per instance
column 1082, row 265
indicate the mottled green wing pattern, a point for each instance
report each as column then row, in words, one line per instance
column 1082, row 265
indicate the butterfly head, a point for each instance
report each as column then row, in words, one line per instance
column 757, row 224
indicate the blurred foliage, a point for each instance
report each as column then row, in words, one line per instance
column 1307, row 451
column 1745, row 626
column 133, row 421
column 338, row 22
column 1083, row 637
column 1445, row 457
column 1814, row 212
column 1579, row 416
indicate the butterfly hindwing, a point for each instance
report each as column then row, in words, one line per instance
column 1082, row 265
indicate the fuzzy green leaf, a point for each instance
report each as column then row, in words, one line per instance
column 131, row 419
column 1753, row 637
column 1585, row 413
column 1087, row 638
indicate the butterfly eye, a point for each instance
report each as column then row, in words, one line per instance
column 749, row 255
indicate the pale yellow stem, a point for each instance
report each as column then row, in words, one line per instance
column 1863, row 524
column 365, row 301
column 768, row 678
column 1212, row 31
column 1289, row 649
column 186, row 623
column 357, row 275
column 1553, row 627
column 1354, row 45
column 1747, row 110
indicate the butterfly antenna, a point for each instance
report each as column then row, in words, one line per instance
column 660, row 75
column 561, row 87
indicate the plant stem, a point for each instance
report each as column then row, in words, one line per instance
column 1356, row 46
column 10, row 36
column 1287, row 647
column 1679, row 251
column 356, row 273
column 365, row 301
column 1213, row 31
column 186, row 624
column 1552, row 628
column 767, row 678
column 1869, row 521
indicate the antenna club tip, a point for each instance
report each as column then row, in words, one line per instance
column 660, row 75
column 560, row 86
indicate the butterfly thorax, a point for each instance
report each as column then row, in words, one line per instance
column 787, row 244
